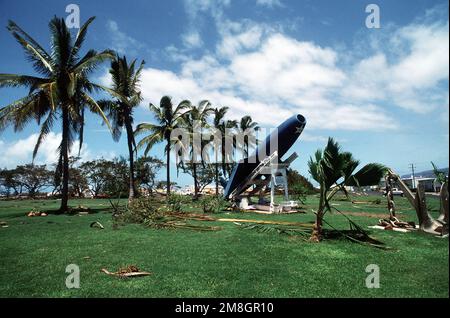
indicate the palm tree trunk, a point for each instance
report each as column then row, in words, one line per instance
column 316, row 235
column 168, row 166
column 217, row 178
column 132, row 190
column 65, row 160
column 194, row 172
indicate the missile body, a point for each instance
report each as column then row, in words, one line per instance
column 281, row 140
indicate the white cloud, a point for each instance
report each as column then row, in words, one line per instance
column 120, row 41
column 269, row 3
column 279, row 77
column 192, row 39
column 257, row 69
column 412, row 75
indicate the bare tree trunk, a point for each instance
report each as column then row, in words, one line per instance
column 443, row 195
column 427, row 223
column 65, row 160
column 390, row 197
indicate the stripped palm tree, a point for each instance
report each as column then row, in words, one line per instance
column 60, row 91
column 125, row 90
column 195, row 120
column 219, row 114
column 168, row 119
column 334, row 170
column 442, row 179
column 247, row 128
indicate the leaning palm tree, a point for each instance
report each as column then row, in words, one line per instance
column 60, row 91
column 334, row 170
column 125, row 90
column 167, row 119
column 219, row 114
column 195, row 120
column 247, row 128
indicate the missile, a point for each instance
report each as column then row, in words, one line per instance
column 280, row 140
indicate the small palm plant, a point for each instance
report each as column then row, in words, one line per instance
column 334, row 170
column 168, row 119
column 125, row 90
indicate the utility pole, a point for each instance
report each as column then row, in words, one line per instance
column 412, row 166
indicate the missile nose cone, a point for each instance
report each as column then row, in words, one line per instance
column 301, row 119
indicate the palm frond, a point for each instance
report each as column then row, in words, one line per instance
column 45, row 130
column 370, row 174
column 81, row 35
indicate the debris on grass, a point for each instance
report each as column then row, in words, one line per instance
column 148, row 212
column 36, row 212
column 97, row 224
column 127, row 272
column 394, row 224
column 308, row 225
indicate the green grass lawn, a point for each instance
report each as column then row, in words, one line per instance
column 232, row 262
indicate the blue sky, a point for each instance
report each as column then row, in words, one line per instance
column 383, row 93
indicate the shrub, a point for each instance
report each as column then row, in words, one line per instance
column 140, row 210
column 175, row 203
column 212, row 204
column 299, row 192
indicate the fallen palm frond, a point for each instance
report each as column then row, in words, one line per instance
column 169, row 223
column 124, row 272
column 356, row 234
column 149, row 212
column 268, row 228
column 309, row 225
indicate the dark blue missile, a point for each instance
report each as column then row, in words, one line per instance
column 281, row 140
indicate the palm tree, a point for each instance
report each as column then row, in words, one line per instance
column 167, row 119
column 227, row 129
column 125, row 81
column 219, row 114
column 334, row 170
column 247, row 128
column 61, row 90
column 194, row 119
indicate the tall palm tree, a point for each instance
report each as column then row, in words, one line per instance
column 247, row 128
column 219, row 114
column 334, row 170
column 61, row 90
column 196, row 119
column 167, row 119
column 125, row 90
